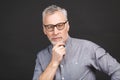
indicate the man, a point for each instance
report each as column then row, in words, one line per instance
column 69, row 58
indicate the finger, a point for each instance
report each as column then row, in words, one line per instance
column 61, row 50
column 59, row 44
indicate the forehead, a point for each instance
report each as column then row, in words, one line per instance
column 54, row 18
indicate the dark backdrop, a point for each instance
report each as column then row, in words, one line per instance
column 21, row 35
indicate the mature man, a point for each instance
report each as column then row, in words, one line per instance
column 69, row 58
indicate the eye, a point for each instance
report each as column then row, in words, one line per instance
column 49, row 26
column 60, row 25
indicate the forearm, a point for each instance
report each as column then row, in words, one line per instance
column 49, row 72
column 57, row 55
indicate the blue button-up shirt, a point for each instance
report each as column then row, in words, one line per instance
column 81, row 60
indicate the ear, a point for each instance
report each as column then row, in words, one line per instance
column 68, row 26
column 44, row 30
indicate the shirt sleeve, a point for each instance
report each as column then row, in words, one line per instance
column 37, row 70
column 107, row 64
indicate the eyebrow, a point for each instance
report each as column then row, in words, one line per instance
column 56, row 24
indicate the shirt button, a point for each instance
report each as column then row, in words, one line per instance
column 76, row 62
column 61, row 66
column 62, row 78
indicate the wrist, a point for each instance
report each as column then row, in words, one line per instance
column 54, row 63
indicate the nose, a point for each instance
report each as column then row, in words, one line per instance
column 56, row 31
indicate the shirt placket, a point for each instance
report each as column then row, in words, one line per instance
column 62, row 70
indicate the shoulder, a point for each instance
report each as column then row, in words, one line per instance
column 91, row 47
column 84, row 42
column 44, row 51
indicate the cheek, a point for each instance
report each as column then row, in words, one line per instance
column 49, row 35
column 66, row 30
column 65, row 33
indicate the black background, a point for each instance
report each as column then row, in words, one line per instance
column 21, row 35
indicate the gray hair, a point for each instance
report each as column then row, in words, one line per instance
column 52, row 9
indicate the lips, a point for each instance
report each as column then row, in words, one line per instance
column 57, row 39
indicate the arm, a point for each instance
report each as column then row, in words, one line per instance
column 107, row 64
column 49, row 72
column 57, row 55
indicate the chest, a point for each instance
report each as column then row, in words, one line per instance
column 75, row 66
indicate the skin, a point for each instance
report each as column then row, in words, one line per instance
column 57, row 35
column 57, row 38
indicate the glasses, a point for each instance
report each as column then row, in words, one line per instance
column 59, row 26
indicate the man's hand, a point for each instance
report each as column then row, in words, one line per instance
column 58, row 52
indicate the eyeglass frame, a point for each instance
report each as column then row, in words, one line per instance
column 56, row 25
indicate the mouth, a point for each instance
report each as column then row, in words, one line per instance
column 56, row 39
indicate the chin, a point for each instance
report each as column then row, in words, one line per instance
column 55, row 42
